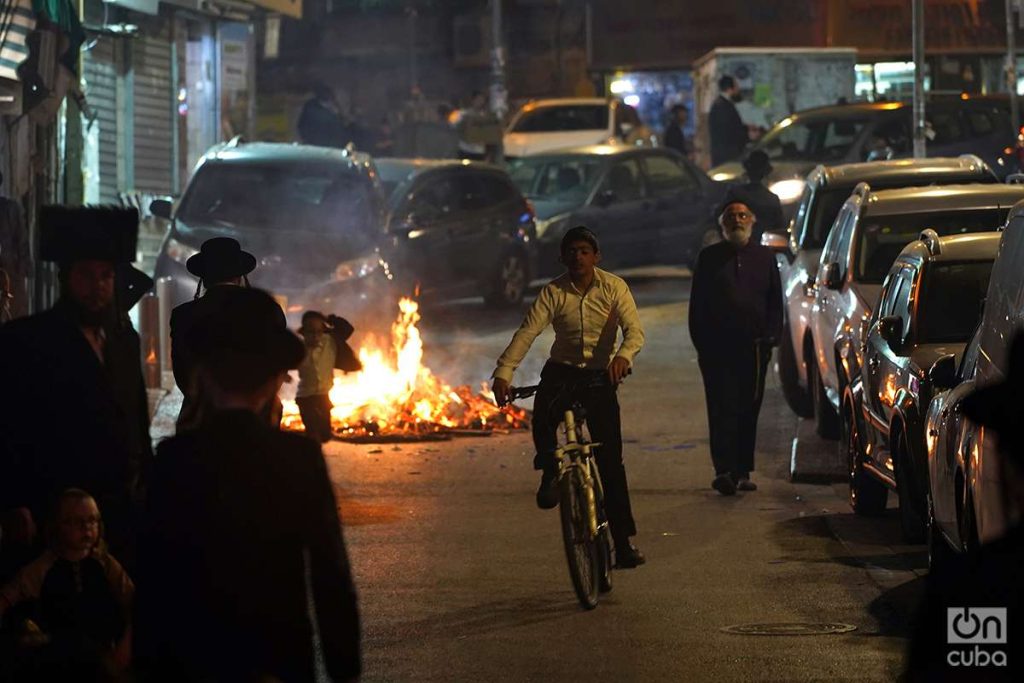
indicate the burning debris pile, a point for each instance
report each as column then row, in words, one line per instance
column 396, row 397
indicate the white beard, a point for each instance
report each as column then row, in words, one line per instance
column 739, row 237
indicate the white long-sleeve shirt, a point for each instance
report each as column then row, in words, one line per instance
column 586, row 324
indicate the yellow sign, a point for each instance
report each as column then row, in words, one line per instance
column 289, row 8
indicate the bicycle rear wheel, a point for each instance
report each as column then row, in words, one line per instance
column 581, row 550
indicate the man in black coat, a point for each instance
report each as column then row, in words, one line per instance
column 237, row 514
column 735, row 319
column 761, row 201
column 221, row 267
column 74, row 412
column 728, row 133
column 675, row 134
column 319, row 122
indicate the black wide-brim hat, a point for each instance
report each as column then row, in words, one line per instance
column 757, row 163
column 221, row 258
column 1000, row 406
column 103, row 233
column 248, row 325
column 132, row 285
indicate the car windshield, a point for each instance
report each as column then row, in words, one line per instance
column 564, row 179
column 320, row 198
column 563, row 118
column 823, row 215
column 952, row 301
column 882, row 238
column 816, row 139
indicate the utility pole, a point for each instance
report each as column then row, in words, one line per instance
column 499, row 96
column 1011, row 67
column 919, row 110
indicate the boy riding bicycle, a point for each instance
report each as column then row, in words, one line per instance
column 586, row 306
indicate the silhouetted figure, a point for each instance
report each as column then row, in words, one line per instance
column 675, row 135
column 327, row 349
column 320, row 122
column 761, row 201
column 221, row 267
column 237, row 515
column 74, row 411
column 735, row 319
column 729, row 135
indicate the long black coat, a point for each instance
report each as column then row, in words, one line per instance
column 728, row 133
column 183, row 318
column 233, row 509
column 67, row 420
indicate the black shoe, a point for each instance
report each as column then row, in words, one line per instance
column 547, row 494
column 745, row 485
column 628, row 556
column 724, row 484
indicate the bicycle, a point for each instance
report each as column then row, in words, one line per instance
column 585, row 530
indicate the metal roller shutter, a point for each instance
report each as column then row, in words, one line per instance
column 100, row 71
column 153, row 120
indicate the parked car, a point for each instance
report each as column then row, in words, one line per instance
column 869, row 131
column 648, row 205
column 871, row 230
column 825, row 191
column 326, row 237
column 459, row 228
column 928, row 308
column 545, row 125
column 966, row 502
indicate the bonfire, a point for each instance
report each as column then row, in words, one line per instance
column 396, row 397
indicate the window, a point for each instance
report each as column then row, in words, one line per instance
column 436, row 198
column 563, row 118
column 562, row 179
column 893, row 134
column 952, row 301
column 884, row 237
column 816, row 139
column 947, row 126
column 666, row 178
column 625, row 181
column 980, row 123
column 888, row 295
column 903, row 302
column 824, row 213
column 496, row 190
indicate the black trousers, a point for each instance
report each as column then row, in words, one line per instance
column 605, row 427
column 733, row 389
column 316, row 416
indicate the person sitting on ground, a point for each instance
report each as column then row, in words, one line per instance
column 240, row 518
column 75, row 593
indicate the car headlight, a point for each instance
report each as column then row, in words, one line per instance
column 788, row 191
column 543, row 225
column 178, row 251
column 357, row 268
column 723, row 176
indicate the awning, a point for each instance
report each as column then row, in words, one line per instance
column 17, row 20
column 289, row 8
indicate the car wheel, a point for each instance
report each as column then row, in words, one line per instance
column 798, row 399
column 826, row 422
column 510, row 282
column 940, row 553
column 867, row 495
column 911, row 524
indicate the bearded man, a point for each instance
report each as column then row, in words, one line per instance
column 74, row 413
column 735, row 320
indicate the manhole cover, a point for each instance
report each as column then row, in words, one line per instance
column 788, row 629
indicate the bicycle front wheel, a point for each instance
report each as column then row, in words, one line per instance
column 581, row 549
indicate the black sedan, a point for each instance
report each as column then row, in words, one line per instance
column 647, row 205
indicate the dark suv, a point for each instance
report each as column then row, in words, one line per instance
column 866, row 131
column 929, row 306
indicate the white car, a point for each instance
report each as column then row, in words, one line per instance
column 547, row 125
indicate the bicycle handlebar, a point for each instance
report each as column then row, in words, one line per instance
column 598, row 381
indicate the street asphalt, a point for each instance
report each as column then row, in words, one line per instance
column 462, row 578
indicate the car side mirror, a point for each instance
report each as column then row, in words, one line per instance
column 942, row 373
column 161, row 208
column 890, row 328
column 776, row 241
column 830, row 276
column 605, row 197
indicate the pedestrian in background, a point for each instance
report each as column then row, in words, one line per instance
column 320, row 122
column 222, row 267
column 74, row 412
column 238, row 516
column 735, row 319
column 675, row 132
column 326, row 350
column 729, row 136
column 761, row 201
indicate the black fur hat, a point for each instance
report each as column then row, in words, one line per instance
column 75, row 233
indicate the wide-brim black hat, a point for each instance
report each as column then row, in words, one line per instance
column 132, row 285
column 251, row 325
column 1000, row 406
column 757, row 163
column 104, row 233
column 221, row 258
